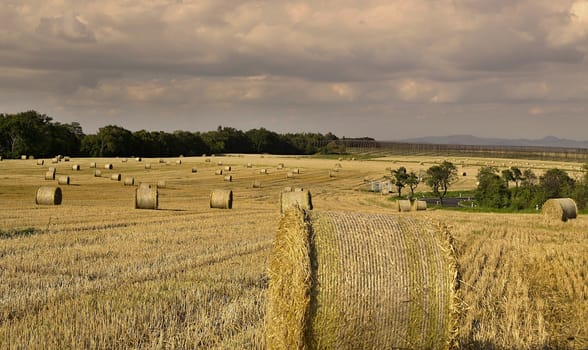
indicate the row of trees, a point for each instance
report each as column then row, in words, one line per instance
column 509, row 188
column 528, row 190
column 32, row 133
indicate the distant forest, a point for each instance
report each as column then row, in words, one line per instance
column 32, row 133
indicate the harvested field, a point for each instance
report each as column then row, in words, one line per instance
column 94, row 272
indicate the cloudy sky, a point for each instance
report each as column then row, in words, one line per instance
column 390, row 69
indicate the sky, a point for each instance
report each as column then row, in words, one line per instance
column 388, row 69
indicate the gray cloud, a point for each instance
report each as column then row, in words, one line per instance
column 388, row 69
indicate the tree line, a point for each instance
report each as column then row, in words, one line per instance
column 511, row 188
column 33, row 133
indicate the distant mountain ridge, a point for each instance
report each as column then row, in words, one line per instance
column 549, row 141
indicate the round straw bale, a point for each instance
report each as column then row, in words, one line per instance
column 108, row 166
column 147, row 166
column 296, row 171
column 218, row 172
column 263, row 171
column 560, row 209
column 361, row 281
column 221, row 199
column 124, row 160
column 298, row 189
column 93, row 165
column 146, row 197
column 219, row 163
column 161, row 160
column 129, row 181
column 228, row 178
column 138, row 159
column 228, row 168
column 403, row 205
column 115, row 177
column 418, row 205
column 300, row 199
column 75, row 167
column 332, row 173
column 97, row 173
column 66, row 159
column 161, row 184
column 194, row 169
column 54, row 160
column 249, row 165
column 281, row 166
column 256, row 184
column 50, row 175
column 63, row 180
column 290, row 175
column 464, row 174
column 287, row 189
column 207, row 160
column 23, row 157
column 40, row 161
column 179, row 162
column 1, row 158
column 48, row 195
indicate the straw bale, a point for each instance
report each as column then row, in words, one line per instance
column 298, row 189
column 97, row 173
column 115, row 177
column 361, row 281
column 221, row 199
column 50, row 175
column 418, row 205
column 332, row 173
column 218, row 172
column 228, row 168
column 75, row 167
column 228, row 178
column 207, row 160
column 63, row 180
column 48, row 195
column 147, row 166
column 146, row 197
column 108, row 166
column 161, row 184
column 249, row 165
column 124, row 160
column 179, row 162
column 281, row 166
column 54, row 160
column 403, row 205
column 40, row 161
column 138, row 159
column 1, row 158
column 287, row 189
column 290, row 175
column 194, row 169
column 161, row 160
column 299, row 199
column 256, row 184
column 129, row 181
column 93, row 165
column 66, row 159
column 296, row 170
column 23, row 157
column 219, row 163
column 562, row 209
column 263, row 171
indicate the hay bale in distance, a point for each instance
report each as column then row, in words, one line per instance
column 138, row 159
column 194, row 169
column 403, row 205
column 249, row 165
column 108, row 166
column 97, row 173
column 290, row 175
column 161, row 160
column 219, row 163
column 295, row 199
column 296, row 171
column 361, row 281
column 66, row 159
column 263, row 171
column 161, row 184
column 562, row 209
column 207, row 160
column 63, row 180
column 179, row 162
column 54, row 160
column 218, row 172
column 280, row 165
column 124, row 160
column 146, row 197
column 256, row 184
column 228, row 168
column 147, row 166
column 418, row 205
column 75, row 167
column 50, row 175
column 40, row 161
column 115, row 177
column 129, row 181
column 228, row 178
column 23, row 157
column 48, row 195
column 221, row 199
column 93, row 165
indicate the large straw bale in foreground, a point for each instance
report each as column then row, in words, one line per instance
column 560, row 209
column 221, row 199
column 146, row 197
column 290, row 199
column 48, row 195
column 361, row 281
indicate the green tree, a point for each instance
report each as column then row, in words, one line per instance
column 508, row 176
column 556, row 183
column 517, row 175
column 412, row 181
column 399, row 178
column 440, row 177
column 114, row 141
column 492, row 190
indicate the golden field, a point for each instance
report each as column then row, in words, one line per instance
column 96, row 273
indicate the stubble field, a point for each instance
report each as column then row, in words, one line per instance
column 96, row 273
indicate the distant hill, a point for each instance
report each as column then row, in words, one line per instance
column 549, row 141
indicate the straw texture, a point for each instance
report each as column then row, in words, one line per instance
column 221, row 199
column 146, row 197
column 562, row 209
column 295, row 199
column 361, row 281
